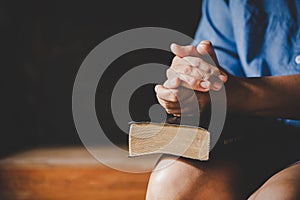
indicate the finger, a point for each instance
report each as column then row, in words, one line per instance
column 206, row 85
column 167, row 104
column 179, row 61
column 185, row 107
column 177, row 115
column 205, row 48
column 172, row 74
column 166, row 94
column 191, row 101
column 183, row 51
column 175, row 108
column 193, row 61
column 194, row 84
column 223, row 77
column 175, row 112
column 186, row 111
column 216, row 83
column 172, row 83
column 170, row 107
column 193, row 80
column 181, row 66
column 196, row 103
column 200, row 64
column 185, row 69
column 195, row 66
column 176, row 70
column 208, row 72
column 217, row 80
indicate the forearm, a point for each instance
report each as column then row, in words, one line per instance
column 276, row 96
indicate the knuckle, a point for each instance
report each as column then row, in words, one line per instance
column 174, row 96
column 171, row 73
column 199, row 73
column 216, row 71
column 159, row 93
column 173, row 99
column 206, row 42
column 205, row 68
column 175, row 60
column 198, row 61
column 193, row 81
column 206, row 76
column 165, row 106
column 168, row 73
column 191, row 48
column 169, row 111
column 187, row 69
column 209, row 70
column 160, row 101
column 206, row 48
column 168, row 105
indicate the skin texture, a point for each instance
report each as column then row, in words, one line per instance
column 186, row 179
column 282, row 186
column 195, row 70
column 264, row 96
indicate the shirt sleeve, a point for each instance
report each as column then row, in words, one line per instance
column 216, row 26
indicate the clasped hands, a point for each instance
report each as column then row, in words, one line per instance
column 193, row 71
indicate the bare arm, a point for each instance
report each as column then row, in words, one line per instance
column 274, row 96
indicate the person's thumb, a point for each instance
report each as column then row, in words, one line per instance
column 207, row 52
column 183, row 51
column 206, row 49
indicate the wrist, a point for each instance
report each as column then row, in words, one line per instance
column 238, row 92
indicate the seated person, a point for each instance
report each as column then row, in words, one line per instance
column 255, row 46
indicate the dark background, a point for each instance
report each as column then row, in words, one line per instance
column 42, row 46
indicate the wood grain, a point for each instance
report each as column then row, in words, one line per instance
column 66, row 173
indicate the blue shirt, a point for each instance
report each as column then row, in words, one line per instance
column 253, row 38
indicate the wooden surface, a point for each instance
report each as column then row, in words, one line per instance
column 66, row 173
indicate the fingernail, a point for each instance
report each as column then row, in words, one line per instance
column 173, row 45
column 222, row 78
column 155, row 88
column 205, row 84
column 205, row 42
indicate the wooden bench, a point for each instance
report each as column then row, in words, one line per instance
column 66, row 173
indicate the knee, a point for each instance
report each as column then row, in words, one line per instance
column 288, row 190
column 283, row 185
column 186, row 179
column 173, row 179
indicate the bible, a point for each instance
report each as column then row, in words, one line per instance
column 167, row 138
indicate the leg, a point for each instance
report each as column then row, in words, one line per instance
column 285, row 185
column 187, row 179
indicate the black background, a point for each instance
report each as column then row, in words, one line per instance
column 42, row 45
